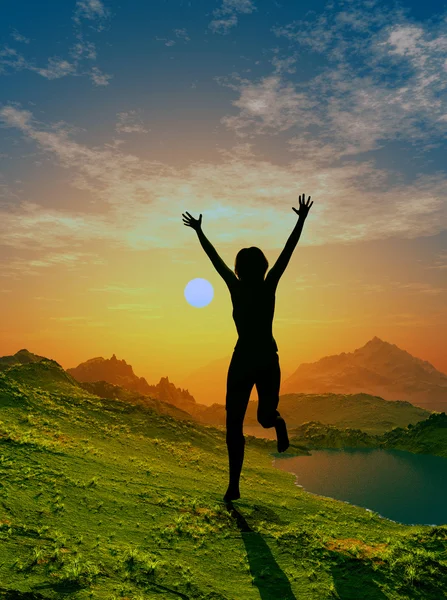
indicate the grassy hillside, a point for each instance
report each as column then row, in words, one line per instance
column 105, row 499
column 427, row 437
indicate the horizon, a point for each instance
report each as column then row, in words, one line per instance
column 114, row 126
column 170, row 379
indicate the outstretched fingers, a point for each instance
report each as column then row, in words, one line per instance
column 303, row 200
column 186, row 220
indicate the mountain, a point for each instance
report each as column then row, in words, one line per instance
column 377, row 368
column 112, row 370
column 119, row 373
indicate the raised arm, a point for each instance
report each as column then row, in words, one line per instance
column 226, row 273
column 274, row 275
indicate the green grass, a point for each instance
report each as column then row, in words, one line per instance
column 102, row 499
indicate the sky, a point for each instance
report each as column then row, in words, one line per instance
column 115, row 118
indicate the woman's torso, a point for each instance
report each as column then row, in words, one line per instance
column 253, row 311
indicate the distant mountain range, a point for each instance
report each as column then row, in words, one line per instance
column 315, row 420
column 378, row 368
column 99, row 376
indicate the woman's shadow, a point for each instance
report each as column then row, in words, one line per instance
column 267, row 575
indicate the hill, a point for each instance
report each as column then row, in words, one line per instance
column 369, row 413
column 377, row 368
column 39, row 372
column 21, row 357
column 426, row 437
column 106, row 499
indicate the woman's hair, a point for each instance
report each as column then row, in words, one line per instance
column 251, row 264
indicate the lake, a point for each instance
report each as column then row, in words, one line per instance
column 405, row 487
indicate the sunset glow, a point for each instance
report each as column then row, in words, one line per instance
column 116, row 118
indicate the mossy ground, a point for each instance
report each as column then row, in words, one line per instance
column 100, row 499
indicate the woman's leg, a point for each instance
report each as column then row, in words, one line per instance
column 268, row 380
column 239, row 385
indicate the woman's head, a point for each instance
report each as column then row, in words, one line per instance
column 251, row 264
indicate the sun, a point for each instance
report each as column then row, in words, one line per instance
column 199, row 292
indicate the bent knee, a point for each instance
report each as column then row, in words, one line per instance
column 267, row 422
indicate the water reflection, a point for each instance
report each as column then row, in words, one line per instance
column 405, row 487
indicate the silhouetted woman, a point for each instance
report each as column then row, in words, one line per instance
column 255, row 358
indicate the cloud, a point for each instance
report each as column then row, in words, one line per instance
column 283, row 64
column 440, row 262
column 244, row 199
column 82, row 51
column 133, row 307
column 15, row 268
column 384, row 80
column 56, row 68
column 19, row 37
column 91, row 10
column 269, row 106
column 98, row 77
column 130, row 122
column 180, row 34
column 79, row 321
column 226, row 16
column 124, row 289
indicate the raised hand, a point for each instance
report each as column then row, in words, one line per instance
column 304, row 206
column 189, row 221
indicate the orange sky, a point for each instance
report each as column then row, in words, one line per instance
column 331, row 299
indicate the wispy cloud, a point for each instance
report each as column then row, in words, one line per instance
column 123, row 289
column 440, row 262
column 94, row 11
column 226, row 16
column 269, row 106
column 146, row 198
column 138, row 307
column 79, row 321
column 15, row 268
column 19, row 37
column 79, row 57
column 385, row 77
column 130, row 122
column 179, row 35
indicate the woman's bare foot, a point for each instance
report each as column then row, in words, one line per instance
column 232, row 494
column 281, row 434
